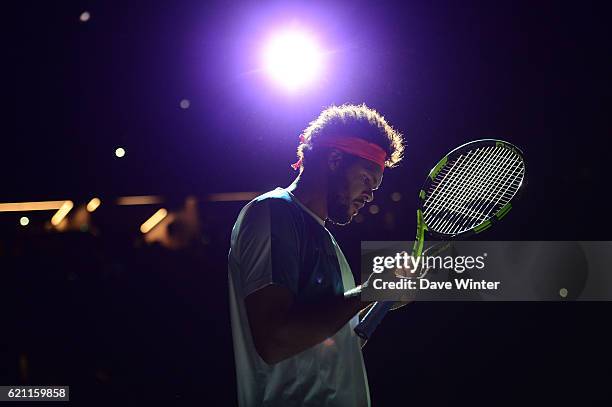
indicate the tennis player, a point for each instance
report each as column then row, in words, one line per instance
column 292, row 324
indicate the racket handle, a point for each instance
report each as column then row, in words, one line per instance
column 372, row 319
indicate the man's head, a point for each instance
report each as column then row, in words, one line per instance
column 351, row 145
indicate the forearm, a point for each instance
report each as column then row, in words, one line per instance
column 308, row 325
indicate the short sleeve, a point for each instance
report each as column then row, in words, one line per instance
column 269, row 246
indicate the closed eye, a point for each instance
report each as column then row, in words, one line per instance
column 367, row 182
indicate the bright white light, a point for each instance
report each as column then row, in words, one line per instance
column 120, row 152
column 24, row 221
column 293, row 59
column 85, row 16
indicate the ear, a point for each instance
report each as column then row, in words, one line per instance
column 334, row 159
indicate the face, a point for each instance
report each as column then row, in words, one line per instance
column 350, row 187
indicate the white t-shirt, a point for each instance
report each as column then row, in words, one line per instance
column 277, row 240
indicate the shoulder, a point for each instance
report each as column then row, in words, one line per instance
column 276, row 196
column 271, row 207
column 277, row 200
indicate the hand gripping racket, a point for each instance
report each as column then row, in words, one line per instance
column 468, row 191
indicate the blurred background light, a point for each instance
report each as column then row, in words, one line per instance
column 24, row 221
column 232, row 196
column 153, row 220
column 61, row 213
column 185, row 103
column 85, row 16
column 93, row 204
column 30, row 206
column 139, row 200
column 120, row 152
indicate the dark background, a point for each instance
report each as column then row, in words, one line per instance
column 114, row 317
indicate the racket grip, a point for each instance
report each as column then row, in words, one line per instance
column 372, row 319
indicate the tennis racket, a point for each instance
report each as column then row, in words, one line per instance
column 467, row 192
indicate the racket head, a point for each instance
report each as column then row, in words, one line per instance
column 493, row 177
column 470, row 189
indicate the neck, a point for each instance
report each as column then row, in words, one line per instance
column 311, row 191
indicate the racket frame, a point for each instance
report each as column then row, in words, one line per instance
column 378, row 310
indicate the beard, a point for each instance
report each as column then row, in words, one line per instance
column 338, row 214
column 338, row 203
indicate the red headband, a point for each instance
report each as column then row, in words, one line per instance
column 355, row 146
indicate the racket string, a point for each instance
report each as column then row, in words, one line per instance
column 456, row 202
column 455, row 164
column 477, row 208
column 502, row 185
column 491, row 185
column 459, row 178
column 449, row 178
column 464, row 179
column 453, row 224
column 499, row 202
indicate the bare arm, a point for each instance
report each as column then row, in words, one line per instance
column 281, row 328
